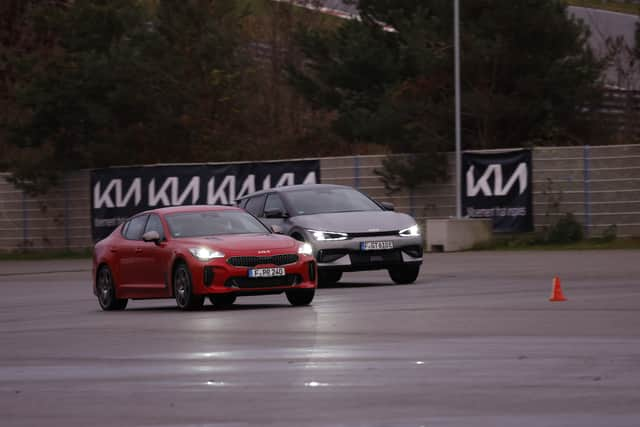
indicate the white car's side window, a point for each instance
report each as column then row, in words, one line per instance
column 255, row 204
column 274, row 202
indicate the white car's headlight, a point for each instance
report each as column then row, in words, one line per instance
column 205, row 254
column 412, row 231
column 328, row 235
column 305, row 249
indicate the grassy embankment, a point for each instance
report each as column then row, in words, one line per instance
column 613, row 6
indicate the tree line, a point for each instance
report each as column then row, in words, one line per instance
column 95, row 83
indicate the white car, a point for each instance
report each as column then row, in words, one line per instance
column 347, row 230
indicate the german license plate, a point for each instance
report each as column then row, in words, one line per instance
column 375, row 246
column 266, row 272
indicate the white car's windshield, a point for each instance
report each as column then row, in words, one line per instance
column 328, row 200
column 198, row 224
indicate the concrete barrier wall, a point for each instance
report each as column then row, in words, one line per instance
column 57, row 220
column 598, row 184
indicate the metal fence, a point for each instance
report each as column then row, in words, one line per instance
column 600, row 185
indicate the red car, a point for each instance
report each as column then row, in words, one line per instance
column 193, row 252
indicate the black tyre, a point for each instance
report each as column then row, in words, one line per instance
column 183, row 290
column 106, row 290
column 222, row 300
column 329, row 277
column 299, row 297
column 405, row 274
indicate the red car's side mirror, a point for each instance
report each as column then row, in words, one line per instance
column 151, row 236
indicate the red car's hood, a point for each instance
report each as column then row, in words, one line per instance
column 247, row 244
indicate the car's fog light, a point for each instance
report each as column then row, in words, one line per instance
column 312, row 271
column 208, row 276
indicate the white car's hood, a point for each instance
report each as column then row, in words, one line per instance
column 355, row 222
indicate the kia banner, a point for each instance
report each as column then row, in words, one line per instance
column 118, row 193
column 498, row 186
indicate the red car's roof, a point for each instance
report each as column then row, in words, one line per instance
column 191, row 208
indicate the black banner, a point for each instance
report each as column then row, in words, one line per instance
column 118, row 193
column 498, row 186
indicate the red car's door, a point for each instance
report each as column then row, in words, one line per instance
column 129, row 253
column 154, row 260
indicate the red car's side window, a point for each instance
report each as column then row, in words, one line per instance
column 135, row 229
column 155, row 224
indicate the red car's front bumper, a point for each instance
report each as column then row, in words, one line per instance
column 219, row 277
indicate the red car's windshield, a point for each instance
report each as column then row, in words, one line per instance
column 211, row 223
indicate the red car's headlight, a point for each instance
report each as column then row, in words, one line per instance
column 305, row 249
column 205, row 254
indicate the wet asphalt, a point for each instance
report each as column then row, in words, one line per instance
column 474, row 342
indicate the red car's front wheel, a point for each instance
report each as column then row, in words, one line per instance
column 183, row 289
column 106, row 290
column 222, row 300
column 299, row 297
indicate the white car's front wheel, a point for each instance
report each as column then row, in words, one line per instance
column 329, row 277
column 405, row 274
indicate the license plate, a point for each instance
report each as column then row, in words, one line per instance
column 267, row 272
column 375, row 246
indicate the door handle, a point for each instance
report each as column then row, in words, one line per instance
column 138, row 250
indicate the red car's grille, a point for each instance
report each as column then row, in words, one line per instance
column 262, row 282
column 252, row 261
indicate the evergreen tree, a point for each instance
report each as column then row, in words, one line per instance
column 132, row 82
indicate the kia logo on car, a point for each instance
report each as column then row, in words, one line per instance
column 264, row 251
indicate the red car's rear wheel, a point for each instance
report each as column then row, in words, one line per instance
column 106, row 290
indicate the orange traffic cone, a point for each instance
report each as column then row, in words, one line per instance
column 556, row 292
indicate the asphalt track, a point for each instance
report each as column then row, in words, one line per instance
column 475, row 342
